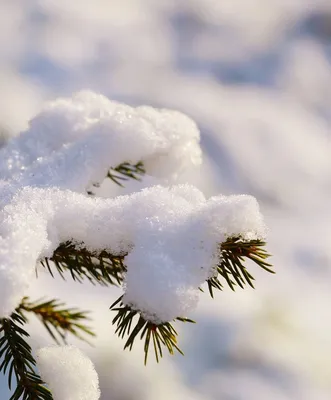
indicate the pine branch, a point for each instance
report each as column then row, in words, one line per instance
column 233, row 253
column 57, row 319
column 126, row 171
column 108, row 269
column 16, row 359
column 104, row 268
column 162, row 335
column 123, row 172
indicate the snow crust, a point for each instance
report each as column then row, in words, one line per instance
column 171, row 234
column 68, row 372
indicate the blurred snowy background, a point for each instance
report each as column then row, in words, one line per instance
column 256, row 77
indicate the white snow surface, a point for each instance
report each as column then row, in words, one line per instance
column 68, row 372
column 73, row 142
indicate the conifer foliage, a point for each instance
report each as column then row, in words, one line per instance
column 225, row 235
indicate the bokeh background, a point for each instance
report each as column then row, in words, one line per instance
column 256, row 77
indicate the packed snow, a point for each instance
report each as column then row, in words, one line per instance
column 68, row 372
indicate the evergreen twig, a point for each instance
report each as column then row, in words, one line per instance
column 233, row 253
column 126, row 171
column 17, row 360
column 108, row 269
column 162, row 335
column 57, row 319
column 123, row 172
column 103, row 268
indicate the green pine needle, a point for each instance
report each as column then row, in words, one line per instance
column 99, row 268
column 17, row 361
column 123, row 172
column 58, row 320
column 126, row 171
column 233, row 253
column 161, row 335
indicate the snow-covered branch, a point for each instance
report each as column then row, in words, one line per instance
column 171, row 237
column 161, row 244
column 73, row 142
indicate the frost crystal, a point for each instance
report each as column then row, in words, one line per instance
column 69, row 373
